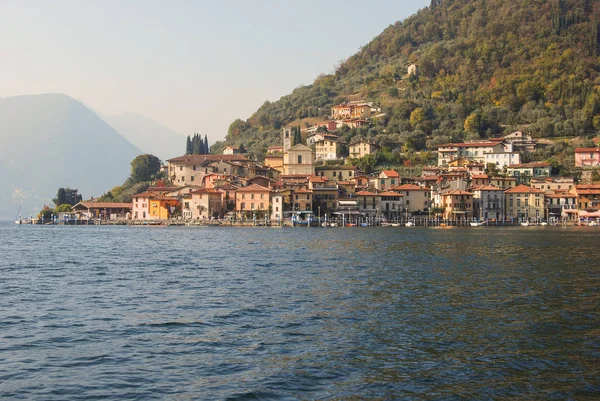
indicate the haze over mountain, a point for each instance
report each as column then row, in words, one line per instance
column 51, row 141
column 148, row 135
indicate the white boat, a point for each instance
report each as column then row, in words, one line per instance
column 593, row 224
column 18, row 218
column 409, row 224
column 525, row 223
column 395, row 224
column 477, row 223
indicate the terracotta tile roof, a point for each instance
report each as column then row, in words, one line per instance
column 558, row 196
column 346, row 183
column 457, row 192
column 528, row 165
column 314, row 178
column 199, row 159
column 254, row 188
column 105, row 205
column 390, row 193
column 366, row 193
column 163, row 189
column 409, row 187
column 479, row 176
column 303, row 191
column 487, row 188
column 468, row 145
column 523, row 189
column 390, row 173
column 207, row 191
column 587, row 150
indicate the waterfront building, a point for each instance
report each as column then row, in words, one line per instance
column 588, row 200
column 252, row 201
column 368, row 203
column 391, row 205
column 302, row 199
column 457, row 204
column 277, row 206
column 488, row 203
column 524, row 202
column 416, row 198
column 561, row 206
column 102, row 210
column 206, row 203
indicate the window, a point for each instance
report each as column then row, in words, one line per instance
column 252, row 206
column 262, row 206
column 144, row 214
column 518, row 202
column 194, row 168
column 251, row 196
column 262, row 196
column 180, row 168
column 299, row 159
column 192, row 178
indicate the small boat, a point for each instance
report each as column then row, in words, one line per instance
column 395, row 224
column 18, row 219
column 593, row 224
column 477, row 223
column 409, row 224
column 525, row 223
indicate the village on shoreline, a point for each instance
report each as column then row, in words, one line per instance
column 305, row 182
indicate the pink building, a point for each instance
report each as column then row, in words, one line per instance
column 587, row 157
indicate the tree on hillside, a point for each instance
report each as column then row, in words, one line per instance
column 67, row 196
column 145, row 168
column 197, row 146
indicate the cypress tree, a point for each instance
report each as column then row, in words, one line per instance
column 206, row 148
column 188, row 146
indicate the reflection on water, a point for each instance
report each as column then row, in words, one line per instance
column 391, row 313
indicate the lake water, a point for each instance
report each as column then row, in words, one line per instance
column 299, row 313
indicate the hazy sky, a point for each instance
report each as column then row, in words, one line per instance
column 192, row 65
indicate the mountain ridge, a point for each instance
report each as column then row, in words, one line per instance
column 51, row 141
column 484, row 67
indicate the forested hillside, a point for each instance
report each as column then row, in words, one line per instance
column 483, row 67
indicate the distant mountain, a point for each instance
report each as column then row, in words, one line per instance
column 50, row 141
column 149, row 135
column 481, row 67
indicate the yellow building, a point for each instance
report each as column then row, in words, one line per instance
column 161, row 208
column 524, row 203
column 362, row 148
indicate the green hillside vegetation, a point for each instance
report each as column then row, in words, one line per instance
column 484, row 67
